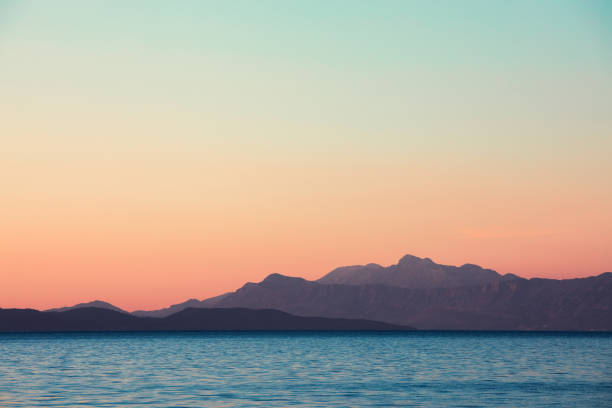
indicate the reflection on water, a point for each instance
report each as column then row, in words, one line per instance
column 306, row 369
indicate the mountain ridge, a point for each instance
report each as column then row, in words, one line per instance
column 419, row 292
column 100, row 304
column 404, row 262
column 195, row 303
column 413, row 272
column 514, row 304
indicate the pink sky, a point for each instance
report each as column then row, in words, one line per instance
column 149, row 233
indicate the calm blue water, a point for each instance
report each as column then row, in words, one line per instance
column 308, row 369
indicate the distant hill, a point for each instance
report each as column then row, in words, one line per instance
column 232, row 319
column 195, row 303
column 512, row 304
column 96, row 303
column 414, row 272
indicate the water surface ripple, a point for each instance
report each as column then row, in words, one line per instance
column 430, row 369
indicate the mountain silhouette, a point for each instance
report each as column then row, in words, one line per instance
column 195, row 303
column 410, row 271
column 414, row 272
column 420, row 293
column 513, row 304
column 230, row 319
column 96, row 303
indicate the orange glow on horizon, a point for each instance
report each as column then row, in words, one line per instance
column 98, row 233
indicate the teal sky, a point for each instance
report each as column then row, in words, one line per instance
column 481, row 77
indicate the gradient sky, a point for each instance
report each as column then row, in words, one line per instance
column 152, row 152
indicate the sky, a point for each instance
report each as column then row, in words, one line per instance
column 155, row 151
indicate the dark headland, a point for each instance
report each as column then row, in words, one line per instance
column 230, row 319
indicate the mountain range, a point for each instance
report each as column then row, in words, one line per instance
column 421, row 293
column 414, row 272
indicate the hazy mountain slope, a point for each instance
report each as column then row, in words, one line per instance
column 194, row 303
column 413, row 272
column 96, row 303
column 516, row 304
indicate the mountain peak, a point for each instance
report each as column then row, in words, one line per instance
column 412, row 272
column 412, row 259
column 470, row 266
column 374, row 266
column 276, row 280
column 409, row 259
column 100, row 304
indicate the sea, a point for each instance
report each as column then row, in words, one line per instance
column 306, row 369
